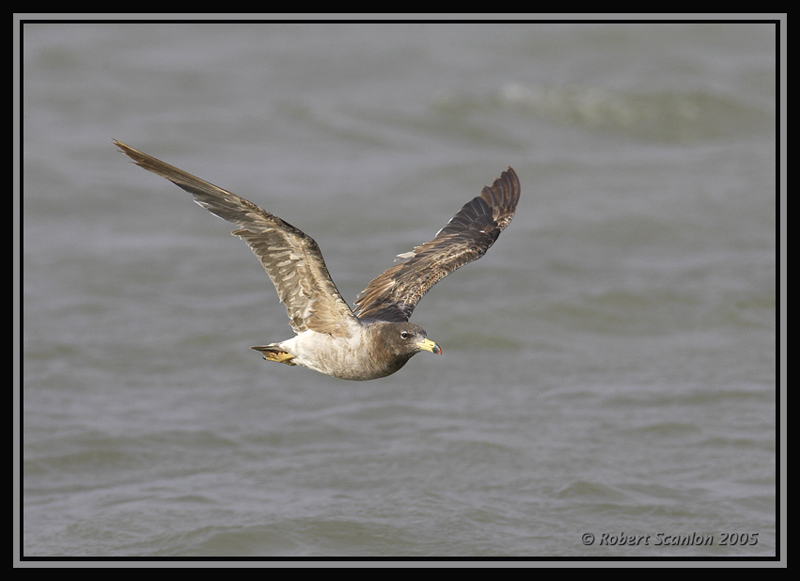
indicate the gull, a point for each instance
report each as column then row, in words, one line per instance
column 375, row 339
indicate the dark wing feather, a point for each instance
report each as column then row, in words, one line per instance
column 466, row 237
column 291, row 258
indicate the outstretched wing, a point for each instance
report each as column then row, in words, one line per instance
column 466, row 237
column 291, row 258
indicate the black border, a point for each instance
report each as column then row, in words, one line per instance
column 479, row 19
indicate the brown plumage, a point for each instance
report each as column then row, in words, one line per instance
column 393, row 295
column 376, row 339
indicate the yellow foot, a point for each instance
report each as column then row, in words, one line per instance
column 280, row 357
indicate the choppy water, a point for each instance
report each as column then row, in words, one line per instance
column 609, row 367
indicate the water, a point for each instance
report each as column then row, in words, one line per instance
column 609, row 367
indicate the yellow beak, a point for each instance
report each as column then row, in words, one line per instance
column 428, row 345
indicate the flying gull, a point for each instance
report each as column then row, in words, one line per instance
column 375, row 339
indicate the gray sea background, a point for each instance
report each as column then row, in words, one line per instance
column 608, row 387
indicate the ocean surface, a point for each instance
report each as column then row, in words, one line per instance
column 608, row 383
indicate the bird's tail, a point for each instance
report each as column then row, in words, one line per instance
column 273, row 352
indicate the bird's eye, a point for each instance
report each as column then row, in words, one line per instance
column 404, row 334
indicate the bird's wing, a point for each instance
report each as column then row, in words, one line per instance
column 291, row 258
column 466, row 237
